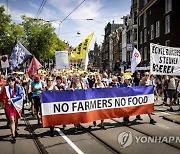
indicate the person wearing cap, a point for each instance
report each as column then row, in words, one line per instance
column 37, row 86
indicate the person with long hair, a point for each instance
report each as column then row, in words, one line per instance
column 10, row 95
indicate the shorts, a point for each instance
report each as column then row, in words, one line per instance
column 172, row 93
column 37, row 103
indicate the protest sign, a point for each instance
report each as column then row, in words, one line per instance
column 164, row 60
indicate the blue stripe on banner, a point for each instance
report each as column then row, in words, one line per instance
column 69, row 95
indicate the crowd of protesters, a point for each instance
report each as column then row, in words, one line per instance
column 30, row 88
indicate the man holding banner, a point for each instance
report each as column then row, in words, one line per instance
column 145, row 82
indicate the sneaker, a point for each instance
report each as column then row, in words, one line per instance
column 126, row 119
column 64, row 126
column 51, row 132
column 94, row 123
column 171, row 109
column 152, row 121
column 102, row 127
column 13, row 140
column 138, row 117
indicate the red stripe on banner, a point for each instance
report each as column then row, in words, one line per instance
column 85, row 117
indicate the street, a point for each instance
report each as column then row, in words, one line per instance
column 93, row 139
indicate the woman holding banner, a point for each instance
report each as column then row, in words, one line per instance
column 12, row 94
column 76, row 84
column 99, row 84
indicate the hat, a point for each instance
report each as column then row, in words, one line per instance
column 37, row 77
column 127, row 77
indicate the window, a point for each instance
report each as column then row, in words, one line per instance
column 145, row 35
column 167, row 24
column 157, row 28
column 168, row 6
column 167, row 43
column 145, row 19
column 145, row 53
column 141, row 37
column 145, row 1
column 135, row 34
column 152, row 31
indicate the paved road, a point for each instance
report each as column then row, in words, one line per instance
column 94, row 140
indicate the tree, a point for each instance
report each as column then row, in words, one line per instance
column 41, row 38
column 8, row 32
column 36, row 35
column 4, row 32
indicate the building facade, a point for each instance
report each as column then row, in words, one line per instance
column 158, row 22
column 107, row 50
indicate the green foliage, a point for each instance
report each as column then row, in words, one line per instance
column 36, row 35
column 5, row 41
column 41, row 38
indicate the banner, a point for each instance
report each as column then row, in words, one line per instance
column 164, row 60
column 83, row 106
column 80, row 51
column 4, row 61
column 62, row 61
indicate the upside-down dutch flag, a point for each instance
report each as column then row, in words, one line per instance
column 34, row 66
column 17, row 102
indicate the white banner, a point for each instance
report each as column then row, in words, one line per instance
column 4, row 61
column 164, row 60
column 62, row 61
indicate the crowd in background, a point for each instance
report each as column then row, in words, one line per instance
column 164, row 87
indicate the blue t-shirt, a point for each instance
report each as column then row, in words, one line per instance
column 36, row 85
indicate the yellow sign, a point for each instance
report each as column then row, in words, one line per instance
column 80, row 51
